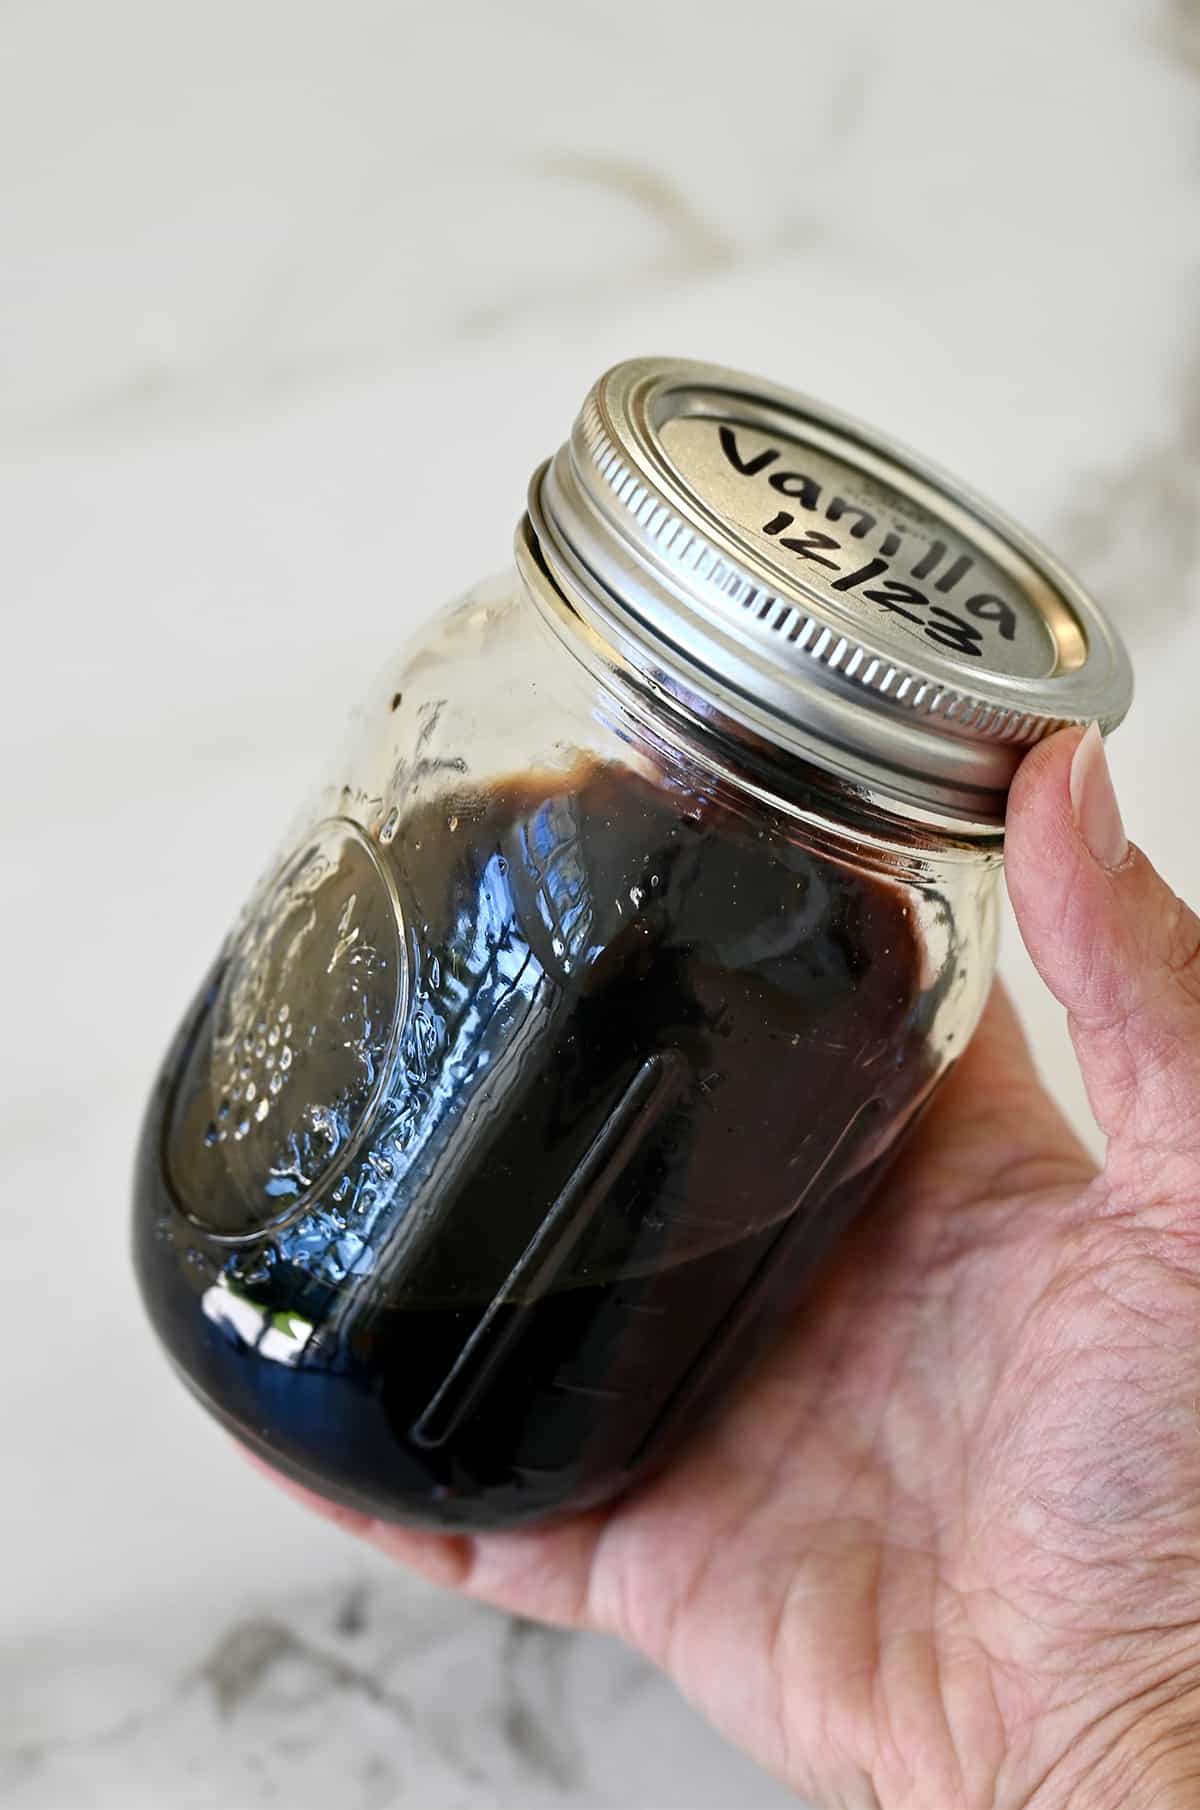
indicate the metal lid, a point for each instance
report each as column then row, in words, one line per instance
column 820, row 585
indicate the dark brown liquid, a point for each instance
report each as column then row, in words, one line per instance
column 653, row 1057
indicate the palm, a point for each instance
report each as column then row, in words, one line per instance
column 940, row 1550
column 884, row 1562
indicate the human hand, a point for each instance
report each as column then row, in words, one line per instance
column 942, row 1551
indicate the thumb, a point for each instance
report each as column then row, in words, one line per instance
column 1116, row 948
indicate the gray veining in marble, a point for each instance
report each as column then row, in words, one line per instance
column 293, row 299
column 1179, row 31
column 364, row 1697
column 1134, row 529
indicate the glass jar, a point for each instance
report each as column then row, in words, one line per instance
column 583, row 1010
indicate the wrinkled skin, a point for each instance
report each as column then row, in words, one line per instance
column 943, row 1551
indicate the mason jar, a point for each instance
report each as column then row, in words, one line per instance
column 584, row 1009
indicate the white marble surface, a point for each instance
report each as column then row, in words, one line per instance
column 292, row 297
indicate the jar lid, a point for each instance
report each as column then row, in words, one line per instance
column 796, row 573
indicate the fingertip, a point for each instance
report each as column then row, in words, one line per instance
column 441, row 1558
column 353, row 1520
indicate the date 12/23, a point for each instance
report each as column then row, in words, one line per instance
column 946, row 627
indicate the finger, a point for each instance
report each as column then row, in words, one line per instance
column 544, row 1575
column 1116, row 948
column 442, row 1558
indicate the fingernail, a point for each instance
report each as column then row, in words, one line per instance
column 1097, row 814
